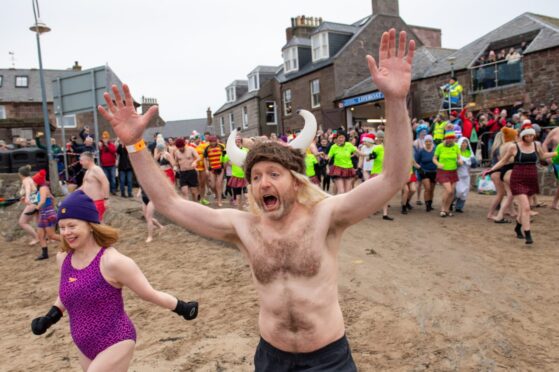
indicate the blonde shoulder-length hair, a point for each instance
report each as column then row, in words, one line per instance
column 104, row 235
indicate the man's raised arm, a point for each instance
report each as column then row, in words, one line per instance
column 393, row 78
column 129, row 126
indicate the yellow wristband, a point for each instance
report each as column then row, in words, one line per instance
column 138, row 146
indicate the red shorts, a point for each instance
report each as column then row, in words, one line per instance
column 100, row 205
column 170, row 173
column 413, row 178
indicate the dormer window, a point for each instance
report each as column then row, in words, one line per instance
column 290, row 60
column 231, row 94
column 22, row 81
column 319, row 43
column 253, row 82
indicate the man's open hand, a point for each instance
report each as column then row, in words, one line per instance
column 128, row 125
column 393, row 73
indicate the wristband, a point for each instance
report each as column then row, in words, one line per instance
column 138, row 146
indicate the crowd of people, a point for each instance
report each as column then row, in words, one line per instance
column 291, row 231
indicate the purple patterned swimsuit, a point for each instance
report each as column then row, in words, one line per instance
column 95, row 308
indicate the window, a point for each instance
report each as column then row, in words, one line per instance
column 253, row 82
column 290, row 60
column 231, row 94
column 2, row 112
column 1, row 80
column 319, row 44
column 68, row 120
column 287, row 102
column 231, row 121
column 315, row 93
column 22, row 81
column 271, row 113
column 245, row 117
column 222, row 125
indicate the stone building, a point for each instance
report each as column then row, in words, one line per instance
column 21, row 112
column 251, row 105
column 532, row 78
column 321, row 60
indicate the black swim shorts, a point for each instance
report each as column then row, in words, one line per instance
column 188, row 178
column 335, row 357
column 217, row 171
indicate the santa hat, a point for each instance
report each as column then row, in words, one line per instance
column 369, row 138
column 527, row 130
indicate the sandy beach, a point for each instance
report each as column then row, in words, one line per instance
column 419, row 293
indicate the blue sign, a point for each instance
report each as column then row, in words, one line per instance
column 371, row 97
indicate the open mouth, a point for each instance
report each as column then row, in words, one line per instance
column 270, row 202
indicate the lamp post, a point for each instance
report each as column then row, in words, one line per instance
column 451, row 59
column 38, row 28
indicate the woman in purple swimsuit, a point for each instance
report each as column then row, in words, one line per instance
column 91, row 281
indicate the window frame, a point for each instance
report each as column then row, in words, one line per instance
column 3, row 114
column 231, row 93
column 73, row 116
column 275, row 122
column 292, row 54
column 320, row 51
column 26, row 81
column 244, row 115
column 285, row 102
column 231, row 122
column 313, row 94
column 222, row 125
column 1, row 80
column 256, row 85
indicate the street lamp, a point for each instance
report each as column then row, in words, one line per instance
column 38, row 28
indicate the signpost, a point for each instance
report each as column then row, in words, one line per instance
column 82, row 92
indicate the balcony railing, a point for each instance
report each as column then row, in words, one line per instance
column 497, row 74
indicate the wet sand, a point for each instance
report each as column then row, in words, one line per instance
column 419, row 293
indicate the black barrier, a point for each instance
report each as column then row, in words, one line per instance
column 33, row 156
column 5, row 162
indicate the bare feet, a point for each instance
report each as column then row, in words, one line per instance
column 34, row 241
column 149, row 239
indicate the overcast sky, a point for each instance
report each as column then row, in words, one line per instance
column 184, row 53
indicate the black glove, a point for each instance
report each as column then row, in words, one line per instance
column 372, row 156
column 188, row 310
column 41, row 324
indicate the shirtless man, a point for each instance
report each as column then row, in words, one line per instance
column 291, row 237
column 95, row 183
column 186, row 158
column 551, row 143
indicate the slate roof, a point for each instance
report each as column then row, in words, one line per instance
column 423, row 59
column 298, row 41
column 245, row 97
column 177, row 128
column 265, row 69
column 429, row 62
column 336, row 27
column 9, row 92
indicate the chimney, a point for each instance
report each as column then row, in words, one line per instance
column 302, row 26
column 209, row 116
column 386, row 7
column 76, row 66
column 147, row 103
